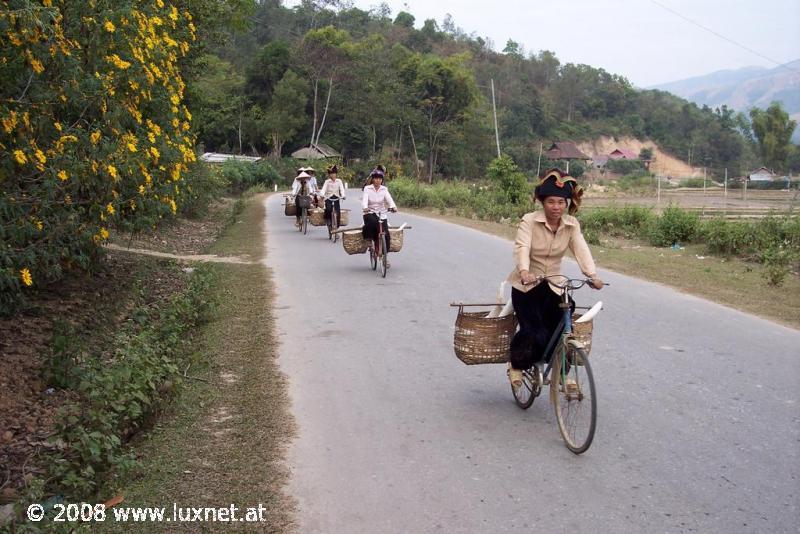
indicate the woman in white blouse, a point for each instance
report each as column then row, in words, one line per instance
column 332, row 191
column 374, row 203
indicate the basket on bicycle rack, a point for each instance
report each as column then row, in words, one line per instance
column 395, row 239
column 481, row 339
column 289, row 208
column 582, row 332
column 344, row 218
column 353, row 242
column 316, row 217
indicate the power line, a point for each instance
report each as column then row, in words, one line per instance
column 740, row 45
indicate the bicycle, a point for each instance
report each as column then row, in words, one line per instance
column 381, row 254
column 303, row 202
column 333, row 222
column 568, row 373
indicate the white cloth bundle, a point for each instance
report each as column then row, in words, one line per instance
column 501, row 310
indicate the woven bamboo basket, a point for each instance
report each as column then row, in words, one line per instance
column 344, row 219
column 316, row 217
column 289, row 208
column 396, row 241
column 479, row 339
column 582, row 332
column 353, row 242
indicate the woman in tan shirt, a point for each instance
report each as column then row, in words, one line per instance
column 542, row 239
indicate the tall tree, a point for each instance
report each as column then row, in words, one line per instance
column 287, row 112
column 773, row 131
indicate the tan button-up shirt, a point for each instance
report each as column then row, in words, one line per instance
column 539, row 249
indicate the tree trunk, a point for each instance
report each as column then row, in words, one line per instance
column 241, row 112
column 430, row 147
column 277, row 146
column 325, row 113
column 416, row 157
column 374, row 141
column 314, row 125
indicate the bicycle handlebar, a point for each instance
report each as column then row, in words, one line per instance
column 569, row 283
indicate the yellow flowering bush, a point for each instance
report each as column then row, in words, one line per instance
column 94, row 129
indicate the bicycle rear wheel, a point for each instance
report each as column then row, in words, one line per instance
column 574, row 400
column 373, row 256
column 300, row 226
column 384, row 255
column 530, row 388
column 305, row 221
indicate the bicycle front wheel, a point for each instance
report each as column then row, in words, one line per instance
column 574, row 400
column 373, row 257
column 305, row 221
column 334, row 226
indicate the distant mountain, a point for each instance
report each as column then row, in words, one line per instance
column 744, row 88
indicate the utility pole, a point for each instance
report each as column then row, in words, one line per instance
column 539, row 165
column 494, row 110
column 704, row 176
column 726, row 190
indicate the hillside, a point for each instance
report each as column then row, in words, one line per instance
column 664, row 164
column 745, row 88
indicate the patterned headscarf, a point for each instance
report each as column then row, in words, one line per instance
column 557, row 183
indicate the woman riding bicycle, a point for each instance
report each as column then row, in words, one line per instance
column 333, row 190
column 374, row 202
column 542, row 239
column 301, row 187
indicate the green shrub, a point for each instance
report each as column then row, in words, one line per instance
column 694, row 182
column 777, row 262
column 674, row 225
column 636, row 182
column 207, row 183
column 115, row 394
column 505, row 173
column 241, row 175
column 628, row 221
column 626, row 166
column 729, row 238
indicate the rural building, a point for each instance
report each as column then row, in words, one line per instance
column 565, row 150
column 762, row 174
column 319, row 151
column 599, row 161
column 214, row 157
column 623, row 153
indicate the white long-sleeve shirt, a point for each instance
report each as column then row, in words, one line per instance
column 376, row 201
column 333, row 187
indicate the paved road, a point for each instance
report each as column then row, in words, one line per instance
column 698, row 427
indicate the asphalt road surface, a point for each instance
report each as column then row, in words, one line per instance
column 698, row 415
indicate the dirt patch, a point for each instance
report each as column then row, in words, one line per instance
column 663, row 163
column 86, row 308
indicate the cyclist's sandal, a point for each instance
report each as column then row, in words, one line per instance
column 515, row 376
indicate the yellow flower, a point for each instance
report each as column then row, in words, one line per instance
column 62, row 175
column 26, row 277
column 154, row 152
column 109, row 26
column 40, row 156
column 112, row 171
column 174, row 13
column 173, row 206
column 160, row 4
column 110, row 208
column 151, row 137
column 175, row 99
column 141, row 190
column 131, row 146
column 37, row 66
column 95, row 137
column 58, row 126
column 20, row 156
column 10, row 122
column 38, row 224
column 133, row 205
column 103, row 233
column 47, row 3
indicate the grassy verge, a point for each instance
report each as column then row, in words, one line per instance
column 731, row 282
column 223, row 441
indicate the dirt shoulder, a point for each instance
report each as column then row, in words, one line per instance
column 730, row 282
column 223, row 442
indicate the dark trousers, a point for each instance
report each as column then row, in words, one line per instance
column 539, row 316
column 330, row 204
column 371, row 228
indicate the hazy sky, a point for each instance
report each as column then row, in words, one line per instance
column 638, row 39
